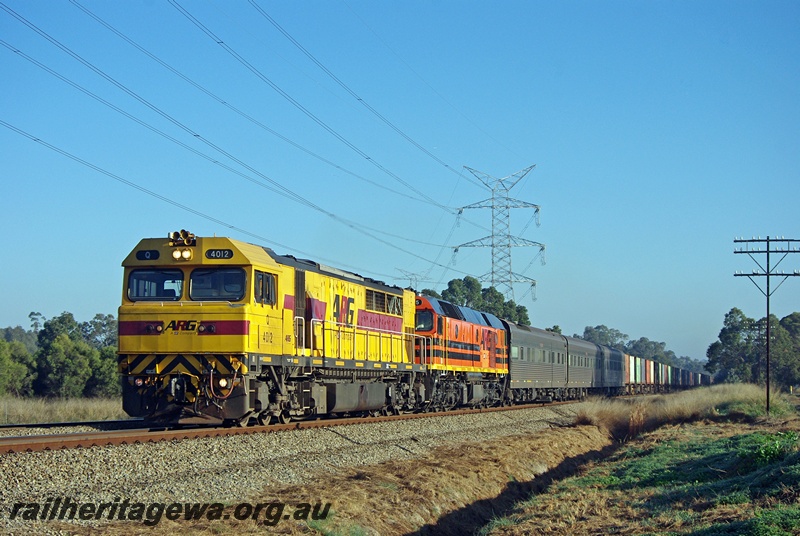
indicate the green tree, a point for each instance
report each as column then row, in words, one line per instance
column 100, row 332
column 688, row 363
column 104, row 380
column 604, row 335
column 431, row 293
column 784, row 363
column 15, row 377
column 37, row 321
column 734, row 356
column 791, row 324
column 657, row 351
column 465, row 292
column 64, row 367
column 19, row 334
column 494, row 302
column 468, row 292
column 554, row 329
column 522, row 316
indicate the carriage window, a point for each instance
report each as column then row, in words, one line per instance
column 155, row 285
column 217, row 284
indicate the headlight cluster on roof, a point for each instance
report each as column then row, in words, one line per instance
column 181, row 238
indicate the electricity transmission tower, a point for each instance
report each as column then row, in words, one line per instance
column 501, row 241
column 779, row 246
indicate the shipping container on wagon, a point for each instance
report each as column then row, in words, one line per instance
column 630, row 370
column 639, row 371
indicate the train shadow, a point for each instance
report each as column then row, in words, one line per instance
column 472, row 517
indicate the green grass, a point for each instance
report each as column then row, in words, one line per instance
column 739, row 473
column 781, row 521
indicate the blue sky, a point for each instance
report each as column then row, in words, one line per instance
column 660, row 131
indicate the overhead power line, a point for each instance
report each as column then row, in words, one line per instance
column 296, row 199
column 194, row 211
column 261, row 76
column 353, row 94
column 433, row 89
column 236, row 110
column 278, row 187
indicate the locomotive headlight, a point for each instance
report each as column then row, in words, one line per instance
column 223, row 382
column 139, row 382
column 182, row 254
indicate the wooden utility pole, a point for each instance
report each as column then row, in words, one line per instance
column 779, row 246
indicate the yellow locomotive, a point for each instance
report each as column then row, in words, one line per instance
column 215, row 330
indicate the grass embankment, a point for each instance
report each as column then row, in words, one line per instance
column 730, row 472
column 704, row 462
column 43, row 410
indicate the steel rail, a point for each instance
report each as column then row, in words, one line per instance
column 38, row 443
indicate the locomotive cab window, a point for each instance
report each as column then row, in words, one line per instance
column 155, row 285
column 217, row 284
column 424, row 320
column 264, row 290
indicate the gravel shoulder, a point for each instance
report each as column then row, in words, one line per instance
column 240, row 468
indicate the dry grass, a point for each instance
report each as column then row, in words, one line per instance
column 625, row 419
column 43, row 410
column 631, row 494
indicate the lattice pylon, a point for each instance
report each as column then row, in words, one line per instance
column 501, row 241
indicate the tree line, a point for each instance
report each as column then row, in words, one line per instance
column 60, row 357
column 740, row 352
column 64, row 358
column 641, row 347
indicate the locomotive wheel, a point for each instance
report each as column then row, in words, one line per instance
column 284, row 417
column 264, row 419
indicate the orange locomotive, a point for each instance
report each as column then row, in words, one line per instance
column 465, row 350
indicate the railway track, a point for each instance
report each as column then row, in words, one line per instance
column 43, row 442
